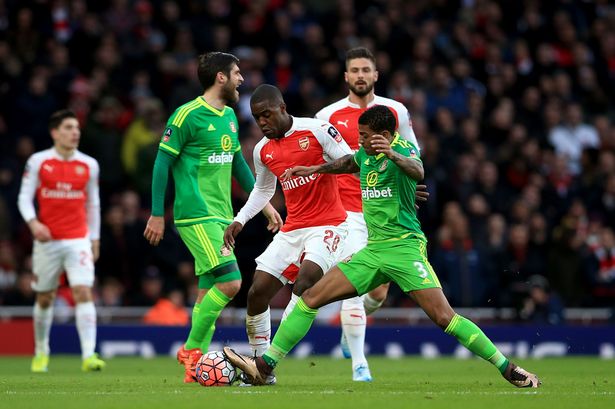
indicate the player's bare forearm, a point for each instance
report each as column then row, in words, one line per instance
column 409, row 166
column 345, row 164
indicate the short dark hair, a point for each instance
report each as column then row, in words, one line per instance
column 359, row 52
column 56, row 119
column 267, row 92
column 379, row 118
column 210, row 64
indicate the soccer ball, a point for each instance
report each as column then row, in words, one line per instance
column 213, row 369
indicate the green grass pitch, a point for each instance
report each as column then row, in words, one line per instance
column 316, row 383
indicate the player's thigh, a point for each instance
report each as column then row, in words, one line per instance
column 357, row 234
column 205, row 243
column 363, row 270
column 333, row 287
column 405, row 262
column 79, row 262
column 324, row 245
column 47, row 265
column 282, row 258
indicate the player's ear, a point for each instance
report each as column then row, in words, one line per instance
column 375, row 75
column 221, row 77
column 346, row 76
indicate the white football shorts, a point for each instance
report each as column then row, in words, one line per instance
column 357, row 234
column 322, row 245
column 50, row 259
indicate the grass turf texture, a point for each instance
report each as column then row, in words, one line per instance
column 316, row 383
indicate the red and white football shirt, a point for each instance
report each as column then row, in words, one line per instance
column 66, row 192
column 310, row 201
column 344, row 115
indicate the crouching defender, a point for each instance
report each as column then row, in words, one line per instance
column 396, row 251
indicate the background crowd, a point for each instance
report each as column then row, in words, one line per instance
column 512, row 103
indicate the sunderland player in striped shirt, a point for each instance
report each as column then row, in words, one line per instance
column 66, row 231
column 361, row 75
column 390, row 168
column 312, row 238
column 201, row 147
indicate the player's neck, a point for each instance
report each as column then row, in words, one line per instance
column 363, row 101
column 286, row 126
column 65, row 153
column 213, row 99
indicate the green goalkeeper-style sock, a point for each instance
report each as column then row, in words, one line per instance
column 203, row 323
column 291, row 331
column 470, row 336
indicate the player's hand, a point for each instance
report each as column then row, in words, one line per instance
column 273, row 217
column 381, row 145
column 421, row 194
column 39, row 231
column 95, row 250
column 154, row 231
column 230, row 233
column 298, row 171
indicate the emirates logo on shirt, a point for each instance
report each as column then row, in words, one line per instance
column 304, row 143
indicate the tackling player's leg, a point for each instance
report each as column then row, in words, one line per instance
column 436, row 306
column 333, row 286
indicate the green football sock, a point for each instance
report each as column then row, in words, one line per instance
column 470, row 336
column 291, row 331
column 207, row 340
column 203, row 322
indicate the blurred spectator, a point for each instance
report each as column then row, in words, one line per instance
column 22, row 294
column 151, row 288
column 144, row 131
column 111, row 293
column 600, row 265
column 460, row 266
column 541, row 305
column 570, row 138
column 168, row 310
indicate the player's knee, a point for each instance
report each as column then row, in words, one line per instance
column 379, row 294
column 310, row 298
column 230, row 289
column 45, row 300
column 303, row 284
column 442, row 318
column 82, row 294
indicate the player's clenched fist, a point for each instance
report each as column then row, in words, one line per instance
column 154, row 231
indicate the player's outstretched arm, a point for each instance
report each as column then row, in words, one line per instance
column 410, row 166
column 345, row 164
